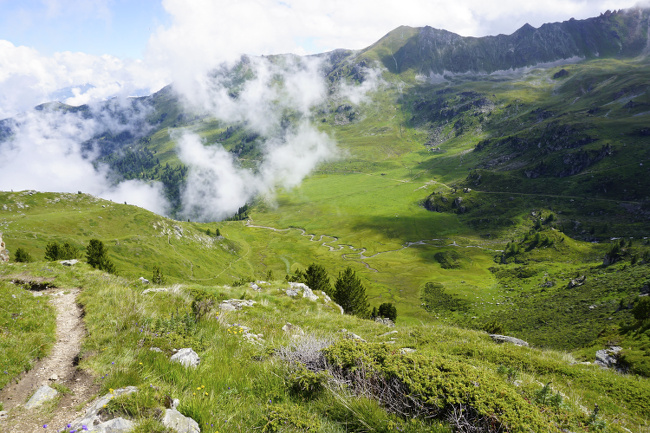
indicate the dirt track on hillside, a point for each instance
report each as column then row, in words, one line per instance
column 59, row 367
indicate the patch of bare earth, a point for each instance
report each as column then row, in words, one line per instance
column 59, row 367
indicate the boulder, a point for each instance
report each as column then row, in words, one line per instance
column 41, row 396
column 177, row 421
column 385, row 321
column 187, row 357
column 306, row 291
column 92, row 420
column 69, row 262
column 291, row 292
column 144, row 280
column 506, row 339
column 608, row 357
column 406, row 350
column 115, row 425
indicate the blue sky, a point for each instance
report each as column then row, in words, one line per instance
column 119, row 27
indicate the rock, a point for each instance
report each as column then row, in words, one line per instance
column 255, row 287
column 385, row 321
column 576, row 282
column 54, row 377
column 144, row 280
column 505, row 339
column 69, row 262
column 4, row 254
column 351, row 335
column 328, row 300
column 292, row 292
column 175, row 420
column 608, row 357
column 91, row 418
column 3, row 414
column 405, row 350
column 306, row 291
column 156, row 349
column 116, row 425
column 41, row 396
column 235, row 304
column 388, row 333
column 293, row 330
column 187, row 357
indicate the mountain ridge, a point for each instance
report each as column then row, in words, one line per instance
column 428, row 50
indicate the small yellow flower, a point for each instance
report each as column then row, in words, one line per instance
column 202, row 386
column 140, row 363
column 111, row 390
column 193, row 393
column 206, row 393
column 198, row 388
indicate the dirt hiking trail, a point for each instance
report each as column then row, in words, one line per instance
column 57, row 368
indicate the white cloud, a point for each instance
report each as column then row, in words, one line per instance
column 46, row 153
column 28, row 78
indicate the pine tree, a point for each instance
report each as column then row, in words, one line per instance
column 317, row 279
column 22, row 256
column 350, row 294
column 387, row 310
column 97, row 256
column 52, row 251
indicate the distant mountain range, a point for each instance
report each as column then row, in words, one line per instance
column 427, row 50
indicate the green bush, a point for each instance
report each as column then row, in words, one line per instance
column 306, row 383
column 419, row 386
column 282, row 417
column 54, row 251
column 22, row 256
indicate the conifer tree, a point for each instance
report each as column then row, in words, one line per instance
column 317, row 279
column 97, row 256
column 350, row 294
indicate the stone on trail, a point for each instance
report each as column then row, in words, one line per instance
column 177, row 421
column 42, row 395
column 116, row 425
column 187, row 357
column 91, row 419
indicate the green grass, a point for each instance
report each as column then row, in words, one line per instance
column 27, row 327
column 244, row 386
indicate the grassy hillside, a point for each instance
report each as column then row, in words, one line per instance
column 252, row 375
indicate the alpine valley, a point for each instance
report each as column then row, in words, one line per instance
column 471, row 190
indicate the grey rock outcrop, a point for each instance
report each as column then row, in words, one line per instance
column 296, row 288
column 177, row 421
column 93, row 421
column 69, row 262
column 186, row 357
column 4, row 254
column 235, row 304
column 506, row 339
column 115, row 425
column 608, row 357
column 41, row 396
column 385, row 321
